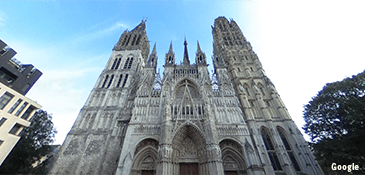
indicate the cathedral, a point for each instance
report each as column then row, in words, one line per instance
column 188, row 122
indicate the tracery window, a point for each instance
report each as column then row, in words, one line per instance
column 270, row 149
column 288, row 148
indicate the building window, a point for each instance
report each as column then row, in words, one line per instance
column 11, row 110
column 239, row 70
column 110, row 82
column 2, row 121
column 248, row 93
column 118, row 63
column 120, row 79
column 7, row 75
column 115, row 62
column 5, row 99
column 27, row 113
column 126, row 64
column 270, row 150
column 1, row 142
column 16, row 129
column 130, row 63
column 251, row 69
column 268, row 103
column 288, row 149
column 21, row 108
column 263, row 93
column 106, row 79
column 125, row 80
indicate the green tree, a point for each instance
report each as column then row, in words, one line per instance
column 33, row 144
column 335, row 122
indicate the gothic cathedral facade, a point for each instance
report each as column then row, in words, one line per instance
column 188, row 122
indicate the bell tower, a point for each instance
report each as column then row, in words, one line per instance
column 264, row 112
column 94, row 143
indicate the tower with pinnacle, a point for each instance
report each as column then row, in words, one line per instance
column 187, row 122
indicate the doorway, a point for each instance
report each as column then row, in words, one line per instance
column 147, row 172
column 189, row 169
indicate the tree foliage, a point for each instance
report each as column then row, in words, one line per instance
column 33, row 144
column 335, row 122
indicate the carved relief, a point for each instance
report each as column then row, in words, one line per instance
column 148, row 163
column 229, row 164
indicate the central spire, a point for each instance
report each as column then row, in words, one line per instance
column 186, row 55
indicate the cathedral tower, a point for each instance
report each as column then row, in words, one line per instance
column 135, row 123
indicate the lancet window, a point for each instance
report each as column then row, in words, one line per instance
column 125, row 80
column 117, row 65
column 130, row 63
column 120, row 79
column 270, row 149
column 288, row 148
column 262, row 91
column 110, row 82
column 126, row 63
column 115, row 62
column 105, row 80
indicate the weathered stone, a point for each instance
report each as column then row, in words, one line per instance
column 134, row 122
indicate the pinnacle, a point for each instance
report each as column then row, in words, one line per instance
column 170, row 50
column 154, row 49
column 199, row 50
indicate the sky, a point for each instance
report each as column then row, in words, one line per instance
column 302, row 45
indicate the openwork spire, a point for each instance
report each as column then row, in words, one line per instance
column 186, row 55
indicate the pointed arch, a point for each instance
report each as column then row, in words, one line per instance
column 188, row 143
column 266, row 137
column 232, row 156
column 145, row 156
column 288, row 147
column 245, row 85
column 191, row 86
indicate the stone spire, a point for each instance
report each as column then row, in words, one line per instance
column 186, row 55
column 200, row 57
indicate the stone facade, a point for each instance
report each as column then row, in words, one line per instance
column 136, row 123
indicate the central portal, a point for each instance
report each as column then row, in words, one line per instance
column 189, row 169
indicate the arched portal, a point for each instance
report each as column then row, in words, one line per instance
column 233, row 162
column 145, row 158
column 189, row 151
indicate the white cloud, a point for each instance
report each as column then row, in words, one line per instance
column 60, row 93
column 306, row 44
column 99, row 34
column 3, row 18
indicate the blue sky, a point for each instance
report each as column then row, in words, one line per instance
column 302, row 45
